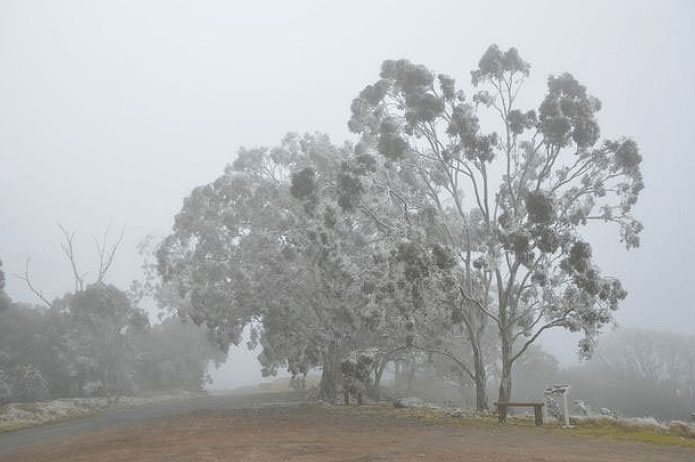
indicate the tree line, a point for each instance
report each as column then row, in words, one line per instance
column 95, row 341
column 637, row 372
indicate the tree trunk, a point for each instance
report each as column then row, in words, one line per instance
column 328, row 387
column 506, row 380
column 475, row 331
column 397, row 376
column 480, row 381
column 376, row 391
column 410, row 374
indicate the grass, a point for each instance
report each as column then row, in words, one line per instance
column 36, row 415
column 678, row 434
column 636, row 430
column 18, row 416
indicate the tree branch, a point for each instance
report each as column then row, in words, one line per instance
column 446, row 354
column 554, row 323
column 69, row 251
column 26, row 278
column 106, row 258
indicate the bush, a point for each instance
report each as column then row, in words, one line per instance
column 5, row 388
column 29, row 384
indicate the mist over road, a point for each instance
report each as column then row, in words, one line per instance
column 142, row 414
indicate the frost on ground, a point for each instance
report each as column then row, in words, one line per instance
column 634, row 424
column 620, row 424
column 16, row 416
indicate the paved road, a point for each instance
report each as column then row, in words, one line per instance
column 142, row 414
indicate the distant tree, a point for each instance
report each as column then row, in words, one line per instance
column 107, row 325
column 97, row 342
column 57, row 338
column 5, row 384
column 29, row 384
column 666, row 360
column 531, row 188
column 639, row 372
column 15, row 337
column 4, row 299
column 26, row 370
column 174, row 355
column 533, row 372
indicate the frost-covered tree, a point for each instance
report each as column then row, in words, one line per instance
column 297, row 241
column 267, row 244
column 510, row 201
column 29, row 384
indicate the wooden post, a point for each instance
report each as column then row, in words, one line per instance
column 538, row 413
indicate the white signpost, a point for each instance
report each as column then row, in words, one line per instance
column 564, row 390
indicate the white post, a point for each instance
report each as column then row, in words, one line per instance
column 566, row 407
column 558, row 389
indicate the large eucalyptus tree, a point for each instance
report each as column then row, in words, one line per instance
column 277, row 242
column 511, row 202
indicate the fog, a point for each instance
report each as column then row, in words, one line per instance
column 113, row 111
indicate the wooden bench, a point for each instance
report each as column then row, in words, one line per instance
column 537, row 410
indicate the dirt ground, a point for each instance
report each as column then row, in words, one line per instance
column 316, row 433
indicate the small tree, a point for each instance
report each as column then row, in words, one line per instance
column 106, row 325
column 29, row 384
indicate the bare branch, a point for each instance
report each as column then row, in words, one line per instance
column 69, row 251
column 550, row 325
column 477, row 303
column 446, row 354
column 106, row 258
column 26, row 278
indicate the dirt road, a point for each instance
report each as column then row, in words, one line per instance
column 250, row 428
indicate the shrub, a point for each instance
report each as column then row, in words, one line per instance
column 29, row 384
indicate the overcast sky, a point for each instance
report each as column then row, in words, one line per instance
column 112, row 111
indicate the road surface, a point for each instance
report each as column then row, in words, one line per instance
column 112, row 419
column 274, row 428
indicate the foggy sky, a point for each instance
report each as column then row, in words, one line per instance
column 112, row 111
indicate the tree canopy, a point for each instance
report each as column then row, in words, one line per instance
column 450, row 213
column 513, row 199
column 94, row 341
